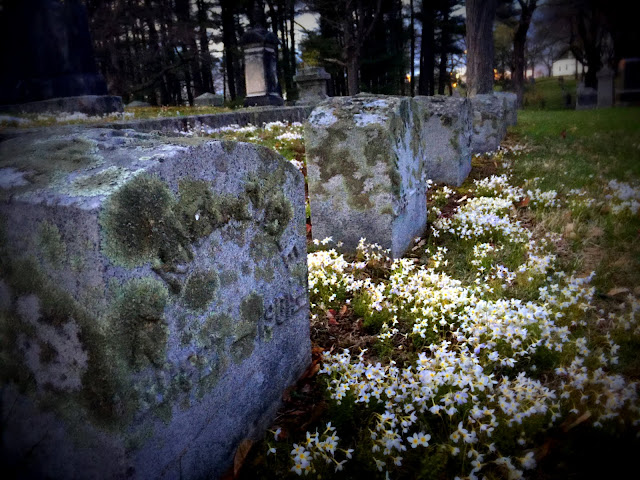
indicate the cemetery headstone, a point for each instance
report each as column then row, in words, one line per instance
column 209, row 100
column 605, row 87
column 138, row 103
column 48, row 61
column 153, row 301
column 365, row 169
column 489, row 125
column 260, row 56
column 446, row 136
column 628, row 88
column 312, row 85
column 586, row 97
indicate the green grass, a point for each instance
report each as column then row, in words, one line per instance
column 548, row 93
column 585, row 150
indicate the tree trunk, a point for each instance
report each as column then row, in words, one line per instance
column 519, row 42
column 230, row 41
column 413, row 51
column 352, row 55
column 480, row 16
column 427, row 49
column 444, row 40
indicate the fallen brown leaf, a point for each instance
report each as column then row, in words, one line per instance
column 241, row 454
column 617, row 291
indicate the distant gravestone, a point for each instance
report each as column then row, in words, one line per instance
column 365, row 170
column 138, row 104
column 312, row 85
column 489, row 124
column 260, row 66
column 605, row 87
column 446, row 135
column 209, row 100
column 153, row 302
column 47, row 60
column 628, row 83
column 586, row 97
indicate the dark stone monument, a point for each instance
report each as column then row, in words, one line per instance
column 47, row 60
column 260, row 65
column 605, row 87
column 586, row 97
column 628, row 87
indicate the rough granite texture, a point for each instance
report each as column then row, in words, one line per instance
column 489, row 122
column 153, row 302
column 446, row 135
column 510, row 100
column 365, row 170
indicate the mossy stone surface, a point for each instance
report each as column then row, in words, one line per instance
column 137, row 287
column 365, row 171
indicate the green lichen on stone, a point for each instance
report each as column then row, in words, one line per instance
column 100, row 183
column 266, row 273
column 200, row 289
column 228, row 146
column 138, row 327
column 50, row 244
column 228, row 277
column 45, row 159
column 103, row 381
column 262, row 247
column 139, row 224
column 278, row 214
column 215, row 330
column 446, row 120
column 201, row 211
column 454, row 141
column 245, row 331
column 252, row 308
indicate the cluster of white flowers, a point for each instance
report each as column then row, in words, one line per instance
column 476, row 372
column 624, row 196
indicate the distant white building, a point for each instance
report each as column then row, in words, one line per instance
column 566, row 66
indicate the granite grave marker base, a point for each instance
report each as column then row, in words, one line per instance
column 365, row 171
column 446, row 135
column 153, row 302
column 92, row 105
column 489, row 123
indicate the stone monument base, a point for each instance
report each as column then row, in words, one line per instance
column 263, row 101
column 87, row 104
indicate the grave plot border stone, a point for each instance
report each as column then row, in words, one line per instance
column 153, row 301
column 365, row 170
column 446, row 136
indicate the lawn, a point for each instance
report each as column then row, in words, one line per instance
column 504, row 344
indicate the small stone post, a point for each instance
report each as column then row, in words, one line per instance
column 605, row 87
column 312, row 83
column 260, row 68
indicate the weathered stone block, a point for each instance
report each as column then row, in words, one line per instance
column 312, row 85
column 510, row 100
column 489, row 123
column 446, row 136
column 209, row 100
column 365, row 169
column 153, row 301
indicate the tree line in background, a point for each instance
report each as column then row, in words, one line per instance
column 170, row 51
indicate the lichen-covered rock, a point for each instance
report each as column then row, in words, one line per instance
column 365, row 171
column 153, row 302
column 489, row 122
column 446, row 136
column 510, row 100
